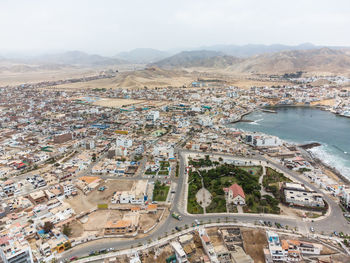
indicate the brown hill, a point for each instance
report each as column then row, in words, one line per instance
column 324, row 60
column 152, row 77
column 316, row 60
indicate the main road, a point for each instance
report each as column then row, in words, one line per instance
column 334, row 221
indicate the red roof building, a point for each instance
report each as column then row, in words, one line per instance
column 235, row 194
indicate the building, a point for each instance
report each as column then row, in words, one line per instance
column 207, row 245
column 152, row 116
column 16, row 252
column 296, row 194
column 275, row 251
column 137, row 194
column 37, row 197
column 179, row 252
column 235, row 195
column 123, row 141
column 128, row 224
column 68, row 188
column 262, row 140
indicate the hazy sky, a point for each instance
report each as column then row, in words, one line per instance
column 109, row 26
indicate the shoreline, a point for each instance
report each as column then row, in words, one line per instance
column 334, row 170
column 315, row 160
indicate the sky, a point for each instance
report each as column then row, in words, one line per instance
column 110, row 26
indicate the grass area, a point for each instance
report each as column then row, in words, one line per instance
column 223, row 176
column 164, row 164
column 206, row 162
column 312, row 215
column 302, row 170
column 160, row 191
column 194, row 185
column 217, row 205
column 150, row 173
column 261, row 204
column 163, row 172
column 177, row 169
column 272, row 181
column 193, row 207
column 254, row 170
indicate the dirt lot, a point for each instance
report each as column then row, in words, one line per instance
column 83, row 203
column 148, row 220
column 116, row 103
column 76, row 228
column 254, row 241
column 157, row 255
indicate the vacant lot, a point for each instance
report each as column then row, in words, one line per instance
column 148, row 220
column 83, row 203
column 116, row 103
column 77, row 229
column 254, row 241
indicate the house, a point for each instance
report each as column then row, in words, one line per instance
column 37, row 197
column 129, row 223
column 207, row 245
column 179, row 252
column 275, row 252
column 235, row 195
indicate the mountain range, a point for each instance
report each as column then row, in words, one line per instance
column 312, row 60
column 240, row 59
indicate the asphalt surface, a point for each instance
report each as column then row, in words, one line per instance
column 335, row 221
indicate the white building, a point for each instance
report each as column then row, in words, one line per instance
column 16, row 252
column 205, row 121
column 68, row 188
column 296, row 194
column 179, row 252
column 263, row 140
column 124, row 141
column 137, row 195
column 275, row 248
column 152, row 116
column 207, row 245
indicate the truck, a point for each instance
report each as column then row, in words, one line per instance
column 176, row 216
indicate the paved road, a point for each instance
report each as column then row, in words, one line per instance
column 335, row 221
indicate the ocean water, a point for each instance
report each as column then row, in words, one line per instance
column 302, row 125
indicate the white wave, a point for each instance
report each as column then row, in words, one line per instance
column 332, row 159
column 256, row 122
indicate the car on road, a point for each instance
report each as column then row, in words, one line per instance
column 196, row 221
column 312, row 229
column 73, row 258
column 176, row 216
column 177, row 228
column 335, row 233
column 92, row 253
column 102, row 251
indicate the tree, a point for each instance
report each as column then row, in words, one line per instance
column 48, row 226
column 94, row 157
column 67, row 230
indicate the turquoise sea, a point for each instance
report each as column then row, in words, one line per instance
column 302, row 125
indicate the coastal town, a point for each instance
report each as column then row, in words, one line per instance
column 134, row 175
